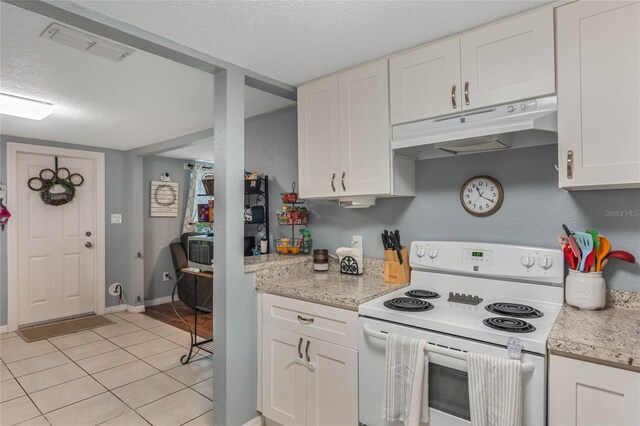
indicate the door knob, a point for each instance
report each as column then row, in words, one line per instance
column 88, row 245
column 88, row 233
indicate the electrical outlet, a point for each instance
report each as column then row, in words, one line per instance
column 356, row 241
column 166, row 276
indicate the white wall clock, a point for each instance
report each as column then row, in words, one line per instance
column 481, row 195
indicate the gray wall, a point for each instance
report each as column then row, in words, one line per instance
column 122, row 240
column 534, row 209
column 160, row 231
column 271, row 148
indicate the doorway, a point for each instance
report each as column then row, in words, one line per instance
column 56, row 255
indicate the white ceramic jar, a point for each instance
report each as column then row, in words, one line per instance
column 586, row 290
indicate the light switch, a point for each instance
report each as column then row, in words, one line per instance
column 116, row 218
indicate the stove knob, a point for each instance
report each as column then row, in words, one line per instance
column 433, row 253
column 420, row 251
column 524, row 107
column 510, row 108
column 545, row 262
column 528, row 261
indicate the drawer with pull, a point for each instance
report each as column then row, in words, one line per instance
column 335, row 325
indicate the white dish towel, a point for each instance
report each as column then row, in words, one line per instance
column 406, row 396
column 495, row 390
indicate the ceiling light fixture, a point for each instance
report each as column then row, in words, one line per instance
column 23, row 107
column 87, row 42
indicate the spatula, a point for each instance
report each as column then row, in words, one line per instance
column 585, row 243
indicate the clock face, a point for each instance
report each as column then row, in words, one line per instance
column 481, row 195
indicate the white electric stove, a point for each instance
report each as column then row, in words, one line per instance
column 466, row 297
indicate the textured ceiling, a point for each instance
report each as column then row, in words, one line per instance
column 296, row 41
column 98, row 102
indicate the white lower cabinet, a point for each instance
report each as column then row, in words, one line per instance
column 307, row 379
column 332, row 389
column 586, row 394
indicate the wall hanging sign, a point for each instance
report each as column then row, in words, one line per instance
column 164, row 199
column 56, row 187
column 4, row 212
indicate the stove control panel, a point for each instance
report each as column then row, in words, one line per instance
column 488, row 259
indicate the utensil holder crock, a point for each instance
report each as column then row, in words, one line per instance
column 586, row 290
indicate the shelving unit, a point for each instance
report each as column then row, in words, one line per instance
column 259, row 197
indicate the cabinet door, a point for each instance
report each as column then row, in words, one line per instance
column 509, row 60
column 365, row 149
column 332, row 388
column 425, row 82
column 318, row 149
column 586, row 394
column 598, row 94
column 283, row 381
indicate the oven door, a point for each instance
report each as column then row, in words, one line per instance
column 448, row 380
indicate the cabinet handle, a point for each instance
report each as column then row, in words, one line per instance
column 453, row 97
column 569, row 164
column 305, row 320
column 300, row 348
column 306, row 351
column 333, row 178
column 466, row 92
column 344, row 188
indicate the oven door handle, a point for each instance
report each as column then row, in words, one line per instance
column 527, row 367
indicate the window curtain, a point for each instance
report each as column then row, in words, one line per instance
column 196, row 187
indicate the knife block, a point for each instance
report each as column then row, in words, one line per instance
column 394, row 272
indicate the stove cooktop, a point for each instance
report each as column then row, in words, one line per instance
column 493, row 320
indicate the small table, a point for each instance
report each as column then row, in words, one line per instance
column 206, row 344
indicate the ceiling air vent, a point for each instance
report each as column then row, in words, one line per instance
column 87, row 42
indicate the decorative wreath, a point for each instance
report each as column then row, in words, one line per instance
column 48, row 179
column 174, row 196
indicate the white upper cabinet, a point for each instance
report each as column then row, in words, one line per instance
column 425, row 82
column 506, row 61
column 598, row 94
column 344, row 146
column 509, row 60
column 318, row 142
column 365, row 153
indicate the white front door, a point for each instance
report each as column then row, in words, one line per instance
column 56, row 265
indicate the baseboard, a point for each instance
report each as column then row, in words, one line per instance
column 158, row 301
column 135, row 309
column 121, row 308
column 256, row 421
column 4, row 329
column 116, row 308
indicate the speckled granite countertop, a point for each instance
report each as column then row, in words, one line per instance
column 273, row 260
column 330, row 288
column 610, row 336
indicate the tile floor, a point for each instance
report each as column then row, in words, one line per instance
column 126, row 374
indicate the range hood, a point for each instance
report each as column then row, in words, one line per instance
column 488, row 129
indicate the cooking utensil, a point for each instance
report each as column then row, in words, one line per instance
column 566, row 229
column 575, row 249
column 568, row 254
column 585, row 243
column 602, row 251
column 594, row 235
column 620, row 254
column 589, row 262
column 396, row 247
